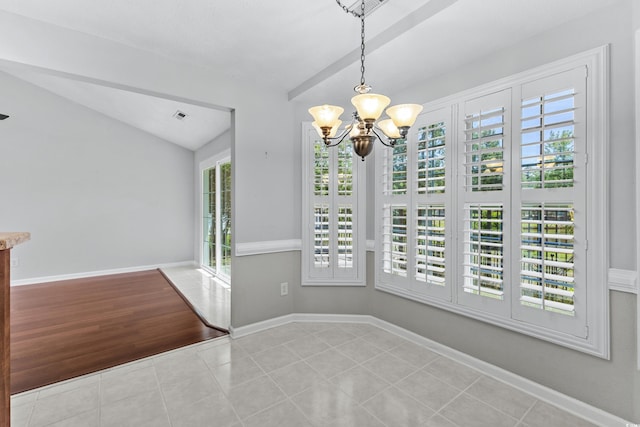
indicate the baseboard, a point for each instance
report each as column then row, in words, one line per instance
column 45, row 279
column 543, row 393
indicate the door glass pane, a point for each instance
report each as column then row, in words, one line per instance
column 209, row 218
column 225, row 219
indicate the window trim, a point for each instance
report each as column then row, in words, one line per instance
column 309, row 136
column 597, row 342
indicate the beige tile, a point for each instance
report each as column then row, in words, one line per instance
column 286, row 333
column 334, row 337
column 254, row 396
column 67, row 404
column 358, row 417
column 257, row 342
column 428, row 390
column 283, row 414
column 145, row 409
column 127, row 383
column 358, row 329
column 501, row 396
column 204, row 413
column 126, row 368
column 28, row 397
column 87, row 419
column 395, row 408
column 414, row 354
column 222, row 353
column 20, row 414
column 360, row 383
column 315, row 327
column 542, row 415
column 383, row 339
column 359, row 350
column 325, row 403
column 330, row 362
column 296, row 378
column 453, row 373
column 179, row 367
column 64, row 386
column 468, row 411
column 275, row 358
column 307, row 346
column 183, row 393
column 389, row 367
column 236, row 372
column 439, row 421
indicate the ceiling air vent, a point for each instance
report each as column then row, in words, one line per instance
column 369, row 6
column 179, row 115
column 3, row 116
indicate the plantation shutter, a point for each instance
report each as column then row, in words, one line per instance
column 485, row 143
column 333, row 234
column 550, row 191
column 431, row 203
column 394, row 252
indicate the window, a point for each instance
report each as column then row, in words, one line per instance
column 333, row 245
column 493, row 206
column 216, row 224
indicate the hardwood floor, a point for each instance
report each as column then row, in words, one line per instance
column 65, row 329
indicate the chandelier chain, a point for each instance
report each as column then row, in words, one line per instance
column 362, row 44
column 351, row 12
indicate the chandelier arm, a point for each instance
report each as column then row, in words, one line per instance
column 338, row 138
column 391, row 143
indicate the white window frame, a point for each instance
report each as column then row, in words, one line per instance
column 331, row 276
column 596, row 306
column 215, row 161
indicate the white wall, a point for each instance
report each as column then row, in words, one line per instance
column 96, row 194
column 265, row 205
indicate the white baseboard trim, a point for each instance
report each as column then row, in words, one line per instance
column 546, row 394
column 268, row 247
column 45, row 279
column 623, row 280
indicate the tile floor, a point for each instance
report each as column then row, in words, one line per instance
column 210, row 297
column 299, row 374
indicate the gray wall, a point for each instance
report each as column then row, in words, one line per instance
column 96, row 194
column 610, row 385
column 613, row 385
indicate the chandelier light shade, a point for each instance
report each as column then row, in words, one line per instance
column 389, row 129
column 333, row 130
column 369, row 107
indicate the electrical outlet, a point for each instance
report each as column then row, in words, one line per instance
column 284, row 288
column 15, row 262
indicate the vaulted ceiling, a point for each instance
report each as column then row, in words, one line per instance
column 306, row 48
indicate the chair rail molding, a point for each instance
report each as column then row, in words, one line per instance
column 267, row 247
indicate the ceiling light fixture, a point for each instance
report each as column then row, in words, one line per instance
column 369, row 107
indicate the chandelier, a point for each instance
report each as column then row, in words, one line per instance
column 369, row 106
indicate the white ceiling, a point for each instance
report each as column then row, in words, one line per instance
column 307, row 48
